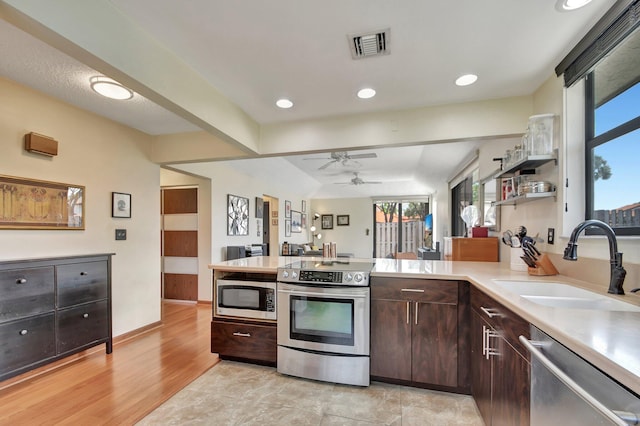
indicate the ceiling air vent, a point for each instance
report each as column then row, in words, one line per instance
column 370, row 44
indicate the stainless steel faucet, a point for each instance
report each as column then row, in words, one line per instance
column 615, row 258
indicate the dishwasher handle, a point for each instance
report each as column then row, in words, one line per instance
column 576, row 388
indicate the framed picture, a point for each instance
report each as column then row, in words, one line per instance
column 258, row 228
column 303, row 221
column 259, row 207
column 120, row 204
column 287, row 227
column 274, row 213
column 304, row 206
column 296, row 221
column 237, row 215
column 287, row 209
column 274, row 222
column 327, row 221
column 342, row 220
column 37, row 204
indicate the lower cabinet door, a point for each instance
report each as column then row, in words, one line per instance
column 510, row 388
column 391, row 339
column 481, row 374
column 26, row 341
column 81, row 325
column 246, row 341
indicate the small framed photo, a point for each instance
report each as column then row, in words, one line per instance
column 274, row 222
column 259, row 207
column 342, row 220
column 287, row 227
column 287, row 209
column 120, row 204
column 274, row 213
column 296, row 221
column 327, row 221
column 304, row 206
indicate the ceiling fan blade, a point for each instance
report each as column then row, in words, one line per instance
column 327, row 165
column 359, row 156
column 371, row 182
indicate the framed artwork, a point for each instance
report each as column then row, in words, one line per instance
column 342, row 220
column 120, row 204
column 327, row 221
column 259, row 207
column 274, row 213
column 304, row 206
column 237, row 215
column 296, row 221
column 37, row 204
column 303, row 221
column 287, row 209
column 258, row 228
column 287, row 227
column 274, row 222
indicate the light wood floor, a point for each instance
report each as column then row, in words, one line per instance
column 121, row 388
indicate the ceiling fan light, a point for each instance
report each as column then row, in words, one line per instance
column 574, row 4
column 467, row 79
column 284, row 103
column 366, row 93
column 110, row 88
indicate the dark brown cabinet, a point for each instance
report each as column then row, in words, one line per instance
column 415, row 333
column 244, row 341
column 51, row 308
column 499, row 365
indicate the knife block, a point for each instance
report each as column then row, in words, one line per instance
column 544, row 267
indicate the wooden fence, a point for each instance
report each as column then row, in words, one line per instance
column 619, row 218
column 387, row 237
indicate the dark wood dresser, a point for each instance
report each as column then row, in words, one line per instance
column 51, row 308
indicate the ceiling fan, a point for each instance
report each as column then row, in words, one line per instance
column 357, row 181
column 343, row 157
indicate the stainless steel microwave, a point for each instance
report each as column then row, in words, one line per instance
column 246, row 299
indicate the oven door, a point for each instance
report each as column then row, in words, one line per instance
column 334, row 320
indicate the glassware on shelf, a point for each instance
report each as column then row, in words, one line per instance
column 541, row 137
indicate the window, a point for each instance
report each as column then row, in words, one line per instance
column 612, row 133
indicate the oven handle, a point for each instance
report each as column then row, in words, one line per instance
column 568, row 381
column 307, row 293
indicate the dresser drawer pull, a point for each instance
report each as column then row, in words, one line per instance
column 412, row 290
column 23, row 332
column 85, row 315
column 242, row 334
column 84, row 273
column 21, row 281
column 490, row 312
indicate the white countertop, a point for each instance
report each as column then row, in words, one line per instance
column 608, row 339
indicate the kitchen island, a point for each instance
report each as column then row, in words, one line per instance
column 609, row 340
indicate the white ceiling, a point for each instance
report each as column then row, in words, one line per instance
column 256, row 52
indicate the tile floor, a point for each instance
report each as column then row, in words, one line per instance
column 234, row 393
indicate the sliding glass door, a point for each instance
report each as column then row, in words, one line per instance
column 400, row 227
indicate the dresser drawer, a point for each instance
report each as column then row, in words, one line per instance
column 25, row 292
column 26, row 341
column 416, row 290
column 81, row 325
column 81, row 282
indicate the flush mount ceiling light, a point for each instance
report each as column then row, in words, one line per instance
column 573, row 4
column 467, row 79
column 110, row 88
column 366, row 93
column 284, row 103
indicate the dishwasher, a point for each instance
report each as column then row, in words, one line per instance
column 568, row 390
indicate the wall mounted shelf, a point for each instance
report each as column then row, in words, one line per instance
column 524, row 198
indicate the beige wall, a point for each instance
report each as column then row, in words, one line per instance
column 104, row 157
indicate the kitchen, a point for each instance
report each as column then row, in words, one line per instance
column 131, row 307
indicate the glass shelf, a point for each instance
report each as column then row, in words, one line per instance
column 524, row 198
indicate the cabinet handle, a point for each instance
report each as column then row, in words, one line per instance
column 491, row 351
column 23, row 332
column 21, row 281
column 490, row 312
column 84, row 273
column 242, row 334
column 85, row 315
column 407, row 312
column 484, row 340
column 416, row 313
column 412, row 290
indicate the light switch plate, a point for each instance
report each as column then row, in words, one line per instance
column 121, row 234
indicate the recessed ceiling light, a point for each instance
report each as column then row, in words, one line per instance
column 366, row 93
column 466, row 79
column 284, row 103
column 110, row 88
column 574, row 4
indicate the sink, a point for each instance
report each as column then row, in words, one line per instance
column 559, row 295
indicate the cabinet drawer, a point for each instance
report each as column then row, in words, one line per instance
column 503, row 320
column 26, row 341
column 81, row 282
column 81, row 325
column 25, row 292
column 417, row 290
column 248, row 341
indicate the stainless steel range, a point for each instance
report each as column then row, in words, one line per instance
column 323, row 320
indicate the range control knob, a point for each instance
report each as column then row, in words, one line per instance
column 358, row 277
column 285, row 274
column 294, row 275
column 348, row 277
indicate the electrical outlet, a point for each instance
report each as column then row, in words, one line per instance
column 551, row 233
